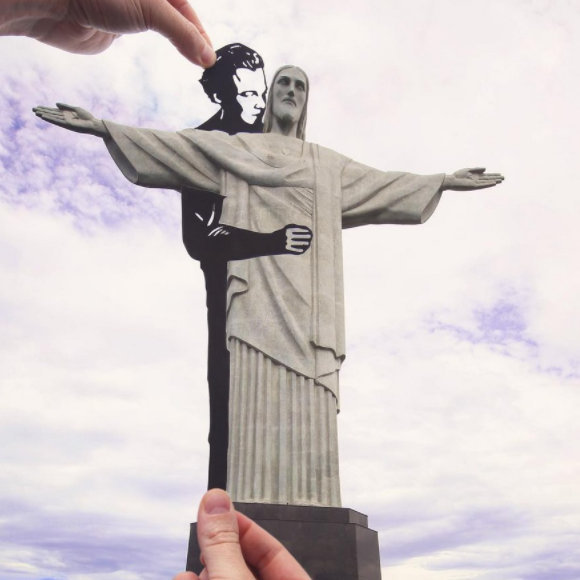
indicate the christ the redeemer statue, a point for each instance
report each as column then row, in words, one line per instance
column 285, row 313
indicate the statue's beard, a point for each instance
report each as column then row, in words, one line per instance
column 286, row 120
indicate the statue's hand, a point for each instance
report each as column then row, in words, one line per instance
column 72, row 118
column 471, row 178
column 298, row 238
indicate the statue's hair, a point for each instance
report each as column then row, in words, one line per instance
column 268, row 115
column 218, row 79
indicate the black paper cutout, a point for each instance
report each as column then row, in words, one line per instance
column 241, row 95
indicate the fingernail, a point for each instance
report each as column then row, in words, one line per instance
column 207, row 55
column 217, row 502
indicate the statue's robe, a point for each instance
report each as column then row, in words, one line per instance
column 285, row 314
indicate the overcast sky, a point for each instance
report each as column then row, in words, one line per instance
column 459, row 430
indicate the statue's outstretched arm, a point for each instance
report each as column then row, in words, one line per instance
column 471, row 178
column 72, row 118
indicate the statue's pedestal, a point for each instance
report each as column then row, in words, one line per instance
column 330, row 543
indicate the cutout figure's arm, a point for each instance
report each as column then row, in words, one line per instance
column 205, row 238
column 200, row 213
column 236, row 244
column 225, row 243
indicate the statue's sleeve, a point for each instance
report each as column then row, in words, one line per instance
column 161, row 159
column 370, row 196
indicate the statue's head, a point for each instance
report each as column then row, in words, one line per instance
column 288, row 100
column 237, row 83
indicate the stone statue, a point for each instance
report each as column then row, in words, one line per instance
column 285, row 316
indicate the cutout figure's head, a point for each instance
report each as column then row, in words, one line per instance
column 237, row 83
column 287, row 101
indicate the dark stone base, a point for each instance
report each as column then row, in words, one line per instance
column 330, row 543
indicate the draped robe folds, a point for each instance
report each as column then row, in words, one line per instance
column 289, row 308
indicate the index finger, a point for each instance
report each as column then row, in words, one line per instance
column 269, row 558
column 186, row 9
column 177, row 21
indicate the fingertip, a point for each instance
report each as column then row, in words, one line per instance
column 208, row 56
column 177, row 21
column 203, row 56
column 215, row 502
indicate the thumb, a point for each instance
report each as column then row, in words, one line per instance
column 219, row 538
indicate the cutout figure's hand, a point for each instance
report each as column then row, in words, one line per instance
column 71, row 118
column 471, row 178
column 90, row 26
column 232, row 544
column 298, row 238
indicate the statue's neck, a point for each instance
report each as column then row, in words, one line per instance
column 285, row 128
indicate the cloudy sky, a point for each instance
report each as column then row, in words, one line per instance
column 459, row 430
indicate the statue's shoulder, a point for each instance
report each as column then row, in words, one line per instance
column 215, row 140
column 253, row 141
column 329, row 157
column 202, row 134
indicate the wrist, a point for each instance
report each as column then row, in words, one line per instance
column 447, row 182
column 99, row 128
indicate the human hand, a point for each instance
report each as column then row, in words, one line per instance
column 233, row 547
column 90, row 26
column 72, row 118
column 471, row 178
column 298, row 238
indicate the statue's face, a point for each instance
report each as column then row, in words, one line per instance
column 289, row 95
column 251, row 87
